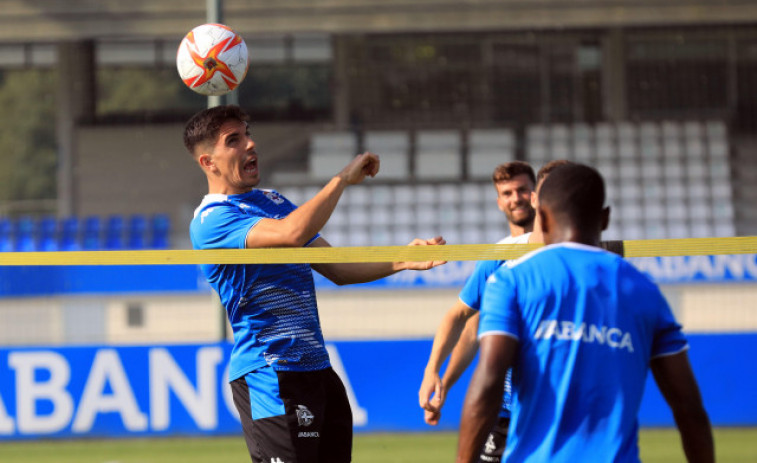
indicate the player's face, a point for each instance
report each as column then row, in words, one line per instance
column 514, row 199
column 234, row 158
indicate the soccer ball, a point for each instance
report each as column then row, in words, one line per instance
column 212, row 59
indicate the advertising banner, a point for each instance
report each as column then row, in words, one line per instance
column 107, row 391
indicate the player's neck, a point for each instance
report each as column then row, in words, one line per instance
column 536, row 236
column 225, row 189
column 572, row 235
column 517, row 230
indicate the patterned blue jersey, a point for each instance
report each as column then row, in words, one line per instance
column 472, row 294
column 587, row 324
column 271, row 307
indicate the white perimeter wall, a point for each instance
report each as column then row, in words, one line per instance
column 345, row 314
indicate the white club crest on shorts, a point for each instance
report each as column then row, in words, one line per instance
column 304, row 416
column 490, row 447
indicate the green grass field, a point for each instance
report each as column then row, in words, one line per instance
column 657, row 445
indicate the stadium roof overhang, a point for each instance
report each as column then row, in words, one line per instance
column 70, row 20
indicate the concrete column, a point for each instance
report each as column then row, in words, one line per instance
column 614, row 76
column 214, row 15
column 76, row 100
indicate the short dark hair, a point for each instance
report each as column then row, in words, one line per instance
column 547, row 168
column 205, row 125
column 574, row 193
column 509, row 170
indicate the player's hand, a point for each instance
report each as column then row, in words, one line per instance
column 432, row 417
column 435, row 241
column 430, row 385
column 363, row 165
column 431, row 397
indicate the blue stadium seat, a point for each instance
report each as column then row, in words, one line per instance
column 160, row 226
column 114, row 233
column 47, row 234
column 92, row 233
column 24, row 235
column 6, row 236
column 69, row 234
column 136, row 231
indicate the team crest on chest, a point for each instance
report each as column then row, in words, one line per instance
column 273, row 196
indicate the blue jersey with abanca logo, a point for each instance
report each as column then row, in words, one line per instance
column 271, row 308
column 587, row 324
column 472, row 294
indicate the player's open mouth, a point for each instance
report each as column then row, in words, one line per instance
column 251, row 166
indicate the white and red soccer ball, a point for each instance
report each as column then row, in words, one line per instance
column 212, row 59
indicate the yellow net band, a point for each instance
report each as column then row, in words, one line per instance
column 458, row 252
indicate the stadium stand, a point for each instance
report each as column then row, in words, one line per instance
column 114, row 233
column 136, row 231
column 24, row 240
column 92, row 233
column 488, row 148
column 69, row 237
column 688, row 161
column 6, row 235
column 669, row 179
column 160, row 229
column 48, row 239
column 72, row 234
column 438, row 154
column 394, row 147
column 329, row 152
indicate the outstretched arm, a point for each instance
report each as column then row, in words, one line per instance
column 361, row 272
column 304, row 222
column 484, row 396
column 677, row 384
column 464, row 352
column 432, row 392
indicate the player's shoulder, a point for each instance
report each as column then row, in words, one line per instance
column 568, row 251
column 209, row 203
column 487, row 267
column 218, row 210
column 214, row 205
column 544, row 252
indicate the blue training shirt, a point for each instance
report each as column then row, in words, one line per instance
column 587, row 324
column 271, row 307
column 472, row 294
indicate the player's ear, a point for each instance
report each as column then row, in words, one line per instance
column 534, row 198
column 605, row 218
column 205, row 160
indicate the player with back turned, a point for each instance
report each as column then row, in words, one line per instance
column 293, row 406
column 580, row 339
column 460, row 324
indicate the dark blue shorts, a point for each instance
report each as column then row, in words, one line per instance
column 494, row 447
column 294, row 417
